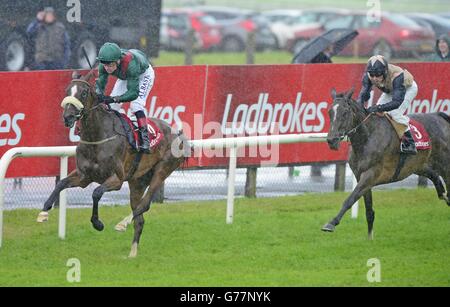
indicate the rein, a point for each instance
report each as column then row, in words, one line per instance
column 353, row 130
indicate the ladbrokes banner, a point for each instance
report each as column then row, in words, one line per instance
column 210, row 101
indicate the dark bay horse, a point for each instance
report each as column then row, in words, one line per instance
column 104, row 156
column 376, row 152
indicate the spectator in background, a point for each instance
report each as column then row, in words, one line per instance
column 442, row 49
column 324, row 56
column 51, row 41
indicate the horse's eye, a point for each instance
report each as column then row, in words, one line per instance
column 84, row 94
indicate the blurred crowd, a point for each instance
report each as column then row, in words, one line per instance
column 50, row 41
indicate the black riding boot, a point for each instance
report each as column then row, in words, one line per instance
column 143, row 133
column 408, row 146
column 145, row 145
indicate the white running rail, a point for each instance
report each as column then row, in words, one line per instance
column 61, row 151
column 233, row 143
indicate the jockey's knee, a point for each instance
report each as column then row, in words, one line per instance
column 115, row 106
column 136, row 107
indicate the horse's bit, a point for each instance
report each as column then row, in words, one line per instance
column 353, row 130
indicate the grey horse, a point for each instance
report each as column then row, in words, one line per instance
column 375, row 154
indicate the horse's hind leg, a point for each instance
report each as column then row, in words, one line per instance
column 434, row 177
column 71, row 181
column 446, row 177
column 160, row 172
column 113, row 183
column 137, row 189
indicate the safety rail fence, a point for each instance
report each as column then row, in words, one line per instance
column 64, row 152
column 234, row 144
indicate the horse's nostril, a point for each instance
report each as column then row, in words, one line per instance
column 69, row 121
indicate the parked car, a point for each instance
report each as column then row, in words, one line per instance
column 438, row 24
column 176, row 24
column 235, row 26
column 393, row 35
column 173, row 32
column 446, row 15
column 284, row 24
column 322, row 15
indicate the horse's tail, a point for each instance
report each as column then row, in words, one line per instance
column 444, row 116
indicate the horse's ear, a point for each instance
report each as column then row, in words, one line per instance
column 89, row 75
column 333, row 93
column 76, row 74
column 349, row 94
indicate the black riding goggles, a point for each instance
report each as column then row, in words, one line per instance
column 375, row 74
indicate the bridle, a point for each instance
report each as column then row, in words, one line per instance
column 353, row 130
column 348, row 133
column 82, row 111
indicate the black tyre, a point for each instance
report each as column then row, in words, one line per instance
column 87, row 41
column 13, row 53
column 383, row 48
column 232, row 44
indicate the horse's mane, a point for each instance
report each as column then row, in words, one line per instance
column 355, row 106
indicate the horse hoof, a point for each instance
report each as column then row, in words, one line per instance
column 120, row 227
column 445, row 198
column 133, row 252
column 42, row 217
column 328, row 228
column 98, row 225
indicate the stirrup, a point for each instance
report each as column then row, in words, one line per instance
column 409, row 149
column 145, row 150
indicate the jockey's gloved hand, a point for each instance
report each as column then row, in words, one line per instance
column 109, row 100
column 374, row 109
column 100, row 97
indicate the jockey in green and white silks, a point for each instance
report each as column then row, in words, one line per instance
column 135, row 78
column 399, row 89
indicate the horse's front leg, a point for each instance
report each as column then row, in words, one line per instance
column 370, row 214
column 366, row 182
column 71, row 181
column 113, row 183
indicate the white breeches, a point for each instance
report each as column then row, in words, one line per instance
column 398, row 114
column 146, row 81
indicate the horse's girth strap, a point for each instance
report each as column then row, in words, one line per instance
column 98, row 142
